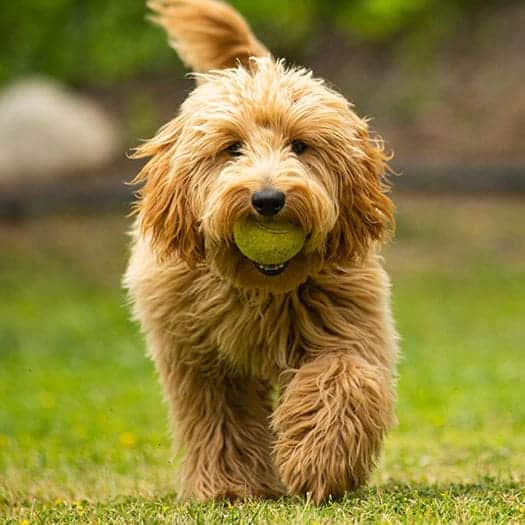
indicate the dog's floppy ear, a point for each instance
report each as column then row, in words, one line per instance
column 366, row 213
column 207, row 34
column 164, row 204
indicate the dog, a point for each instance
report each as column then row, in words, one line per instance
column 278, row 382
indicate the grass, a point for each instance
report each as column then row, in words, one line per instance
column 83, row 433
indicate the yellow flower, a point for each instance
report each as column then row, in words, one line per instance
column 127, row 439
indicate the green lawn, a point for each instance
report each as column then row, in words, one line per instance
column 83, row 433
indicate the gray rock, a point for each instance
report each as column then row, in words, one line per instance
column 46, row 132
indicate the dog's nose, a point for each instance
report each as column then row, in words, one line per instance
column 268, row 202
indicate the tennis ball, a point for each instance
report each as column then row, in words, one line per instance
column 268, row 242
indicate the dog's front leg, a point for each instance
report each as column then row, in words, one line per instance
column 330, row 424
column 223, row 427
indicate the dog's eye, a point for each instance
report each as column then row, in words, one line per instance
column 299, row 147
column 234, row 149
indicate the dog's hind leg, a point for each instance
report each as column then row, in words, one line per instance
column 223, row 427
column 330, row 424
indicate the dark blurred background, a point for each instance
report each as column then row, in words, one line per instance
column 82, row 82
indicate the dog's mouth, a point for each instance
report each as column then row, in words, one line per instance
column 271, row 269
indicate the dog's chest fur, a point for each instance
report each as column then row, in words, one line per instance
column 194, row 316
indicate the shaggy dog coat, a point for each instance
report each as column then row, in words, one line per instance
column 276, row 384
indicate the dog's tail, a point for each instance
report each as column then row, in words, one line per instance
column 207, row 34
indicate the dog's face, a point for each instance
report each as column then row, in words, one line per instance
column 269, row 141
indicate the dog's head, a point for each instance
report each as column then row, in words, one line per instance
column 264, row 140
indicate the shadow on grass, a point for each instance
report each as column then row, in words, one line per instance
column 436, row 490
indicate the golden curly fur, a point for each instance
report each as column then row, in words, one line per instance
column 224, row 336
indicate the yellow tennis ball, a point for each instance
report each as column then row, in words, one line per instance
column 268, row 242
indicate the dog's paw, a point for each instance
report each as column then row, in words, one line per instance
column 233, row 493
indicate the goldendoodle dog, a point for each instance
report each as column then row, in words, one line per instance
column 279, row 378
